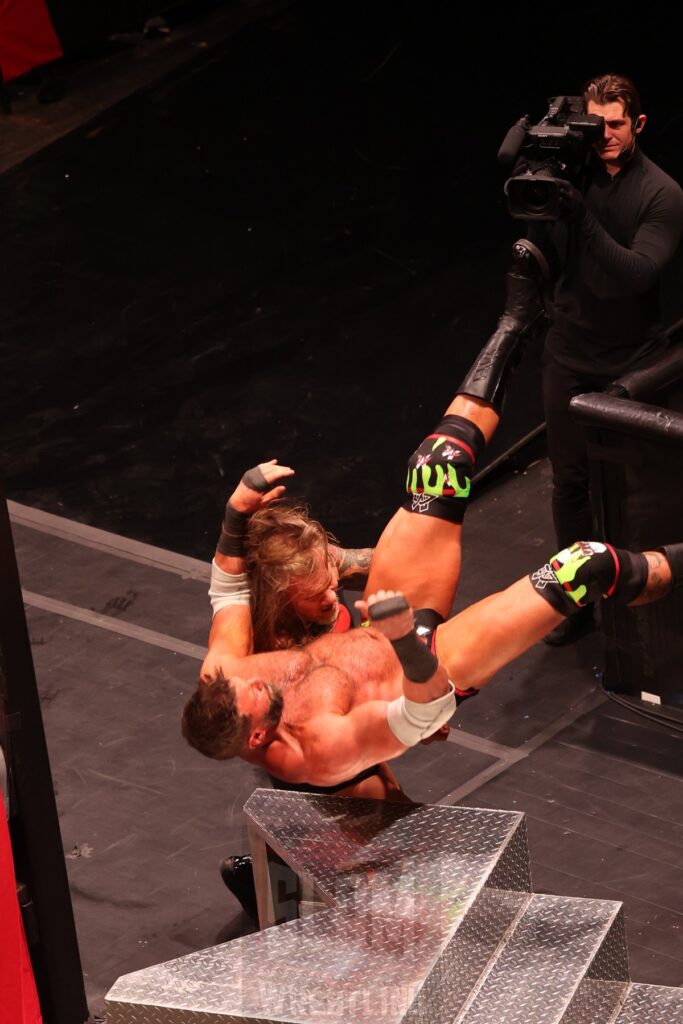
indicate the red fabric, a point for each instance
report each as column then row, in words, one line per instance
column 27, row 37
column 343, row 621
column 18, row 996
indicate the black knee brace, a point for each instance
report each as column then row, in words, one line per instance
column 587, row 571
column 427, row 622
column 440, row 470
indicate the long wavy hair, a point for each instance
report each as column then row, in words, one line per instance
column 282, row 542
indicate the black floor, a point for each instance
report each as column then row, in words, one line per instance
column 287, row 238
column 285, row 235
column 117, row 632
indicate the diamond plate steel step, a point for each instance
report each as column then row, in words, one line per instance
column 345, row 848
column 651, row 1004
column 564, row 961
column 400, row 881
column 429, row 919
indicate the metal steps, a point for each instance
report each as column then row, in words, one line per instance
column 428, row 918
column 651, row 1004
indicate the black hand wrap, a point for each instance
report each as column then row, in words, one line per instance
column 387, row 607
column 233, row 530
column 254, row 479
column 234, row 526
column 417, row 661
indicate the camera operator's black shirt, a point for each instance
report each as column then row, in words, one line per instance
column 605, row 305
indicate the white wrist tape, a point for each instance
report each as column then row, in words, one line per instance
column 411, row 722
column 227, row 589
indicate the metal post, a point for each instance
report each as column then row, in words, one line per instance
column 34, row 824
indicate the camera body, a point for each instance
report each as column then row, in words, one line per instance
column 546, row 154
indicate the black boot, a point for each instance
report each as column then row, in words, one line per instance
column 488, row 376
column 238, row 875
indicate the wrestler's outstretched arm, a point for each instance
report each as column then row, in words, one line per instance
column 477, row 642
column 231, row 633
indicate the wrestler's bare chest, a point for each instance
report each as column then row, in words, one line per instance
column 338, row 671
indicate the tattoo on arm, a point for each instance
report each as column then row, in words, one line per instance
column 354, row 565
column 658, row 578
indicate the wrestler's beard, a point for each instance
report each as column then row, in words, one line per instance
column 274, row 712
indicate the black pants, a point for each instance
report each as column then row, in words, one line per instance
column 304, row 787
column 571, row 504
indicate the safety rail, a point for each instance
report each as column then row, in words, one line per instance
column 635, row 447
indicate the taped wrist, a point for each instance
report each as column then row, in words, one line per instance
column 417, row 661
column 234, row 526
column 440, row 471
column 587, row 571
column 226, row 589
column 233, row 532
column 411, row 721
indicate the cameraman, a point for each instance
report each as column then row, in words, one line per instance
column 613, row 241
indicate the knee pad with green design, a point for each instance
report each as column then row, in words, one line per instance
column 587, row 571
column 439, row 476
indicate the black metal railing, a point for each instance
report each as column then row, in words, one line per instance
column 635, row 446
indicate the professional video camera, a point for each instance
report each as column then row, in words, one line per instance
column 546, row 154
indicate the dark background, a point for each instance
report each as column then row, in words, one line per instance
column 291, row 246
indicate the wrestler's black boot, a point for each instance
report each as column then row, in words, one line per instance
column 238, row 875
column 487, row 379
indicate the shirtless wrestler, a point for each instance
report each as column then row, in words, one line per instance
column 419, row 552
column 291, row 575
column 326, row 712
column 323, row 714
column 425, row 533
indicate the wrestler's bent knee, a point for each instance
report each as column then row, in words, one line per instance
column 440, row 471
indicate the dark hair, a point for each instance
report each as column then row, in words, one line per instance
column 612, row 89
column 211, row 722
